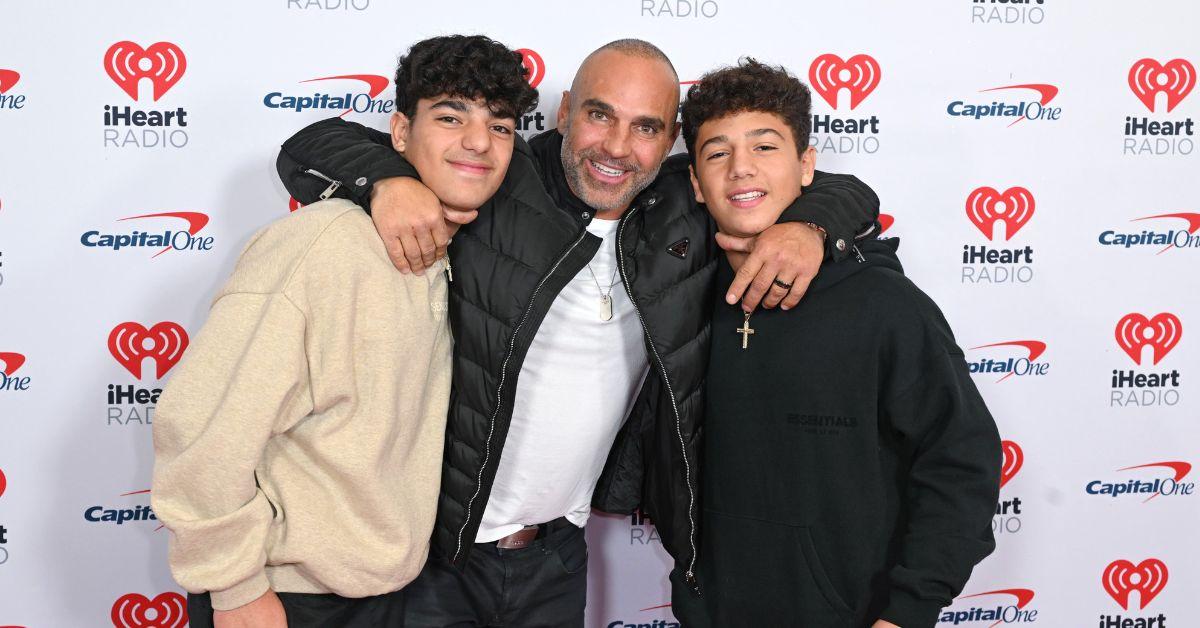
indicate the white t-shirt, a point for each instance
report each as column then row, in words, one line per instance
column 577, row 385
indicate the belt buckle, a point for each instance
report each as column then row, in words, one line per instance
column 519, row 539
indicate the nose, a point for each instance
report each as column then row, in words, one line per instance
column 741, row 165
column 476, row 137
column 618, row 142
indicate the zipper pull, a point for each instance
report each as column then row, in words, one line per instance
column 449, row 271
column 330, row 190
column 333, row 184
column 859, row 254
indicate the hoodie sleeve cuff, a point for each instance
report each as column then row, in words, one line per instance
column 241, row 593
column 907, row 611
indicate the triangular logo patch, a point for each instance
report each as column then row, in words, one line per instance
column 680, row 248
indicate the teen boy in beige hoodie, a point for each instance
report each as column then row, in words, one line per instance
column 298, row 446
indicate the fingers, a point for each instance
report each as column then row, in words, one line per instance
column 761, row 284
column 779, row 289
column 427, row 247
column 742, row 279
column 410, row 248
column 731, row 243
column 799, row 287
column 459, row 216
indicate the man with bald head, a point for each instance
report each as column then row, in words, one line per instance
column 582, row 329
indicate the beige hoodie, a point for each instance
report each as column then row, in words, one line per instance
column 298, row 445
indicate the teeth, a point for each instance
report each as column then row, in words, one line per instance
column 747, row 196
column 608, row 171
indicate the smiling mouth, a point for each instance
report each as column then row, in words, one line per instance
column 470, row 168
column 605, row 173
column 745, row 200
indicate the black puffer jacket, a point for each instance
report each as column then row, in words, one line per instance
column 509, row 265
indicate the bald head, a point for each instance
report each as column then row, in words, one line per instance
column 637, row 48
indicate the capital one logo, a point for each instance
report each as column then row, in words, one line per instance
column 1148, row 78
column 535, row 66
column 1009, row 613
column 859, row 75
column 1024, row 365
column 8, row 78
column 130, row 343
column 168, row 240
column 127, row 63
column 987, row 206
column 1135, row 331
column 1013, row 460
column 134, row 610
column 1122, row 577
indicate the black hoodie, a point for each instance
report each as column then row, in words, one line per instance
column 850, row 469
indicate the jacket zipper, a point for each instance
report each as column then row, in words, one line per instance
column 690, row 574
column 333, row 184
column 487, row 449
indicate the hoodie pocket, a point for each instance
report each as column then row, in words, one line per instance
column 762, row 571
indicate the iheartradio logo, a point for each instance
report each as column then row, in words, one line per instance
column 534, row 64
column 1175, row 78
column 1014, row 459
column 986, row 206
column 8, row 78
column 3, row 482
column 130, row 343
column 134, row 610
column 1135, row 331
column 885, row 222
column 1122, row 577
column 128, row 63
column 829, row 74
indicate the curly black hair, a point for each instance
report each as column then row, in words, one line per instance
column 468, row 66
column 748, row 86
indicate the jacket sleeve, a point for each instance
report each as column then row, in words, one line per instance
column 953, row 485
column 841, row 205
column 336, row 151
column 244, row 378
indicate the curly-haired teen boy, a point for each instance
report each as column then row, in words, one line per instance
column 851, row 468
column 299, row 445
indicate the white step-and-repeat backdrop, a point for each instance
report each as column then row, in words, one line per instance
column 1037, row 158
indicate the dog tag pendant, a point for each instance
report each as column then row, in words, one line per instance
column 606, row 308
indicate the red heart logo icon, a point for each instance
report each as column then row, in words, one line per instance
column 130, row 343
column 859, row 74
column 1122, row 578
column 128, row 63
column 1014, row 459
column 534, row 64
column 1175, row 78
column 134, row 610
column 986, row 206
column 1135, row 331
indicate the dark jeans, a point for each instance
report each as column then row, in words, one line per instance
column 307, row 610
column 542, row 585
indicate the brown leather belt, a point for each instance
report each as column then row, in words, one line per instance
column 523, row 537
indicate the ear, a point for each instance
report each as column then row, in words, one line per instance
column 400, row 130
column 564, row 111
column 808, row 165
column 696, row 185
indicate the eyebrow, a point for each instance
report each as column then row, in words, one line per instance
column 655, row 123
column 451, row 103
column 754, row 133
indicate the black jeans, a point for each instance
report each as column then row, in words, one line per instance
column 543, row 585
column 308, row 610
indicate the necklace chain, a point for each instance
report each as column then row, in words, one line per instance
column 612, row 282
